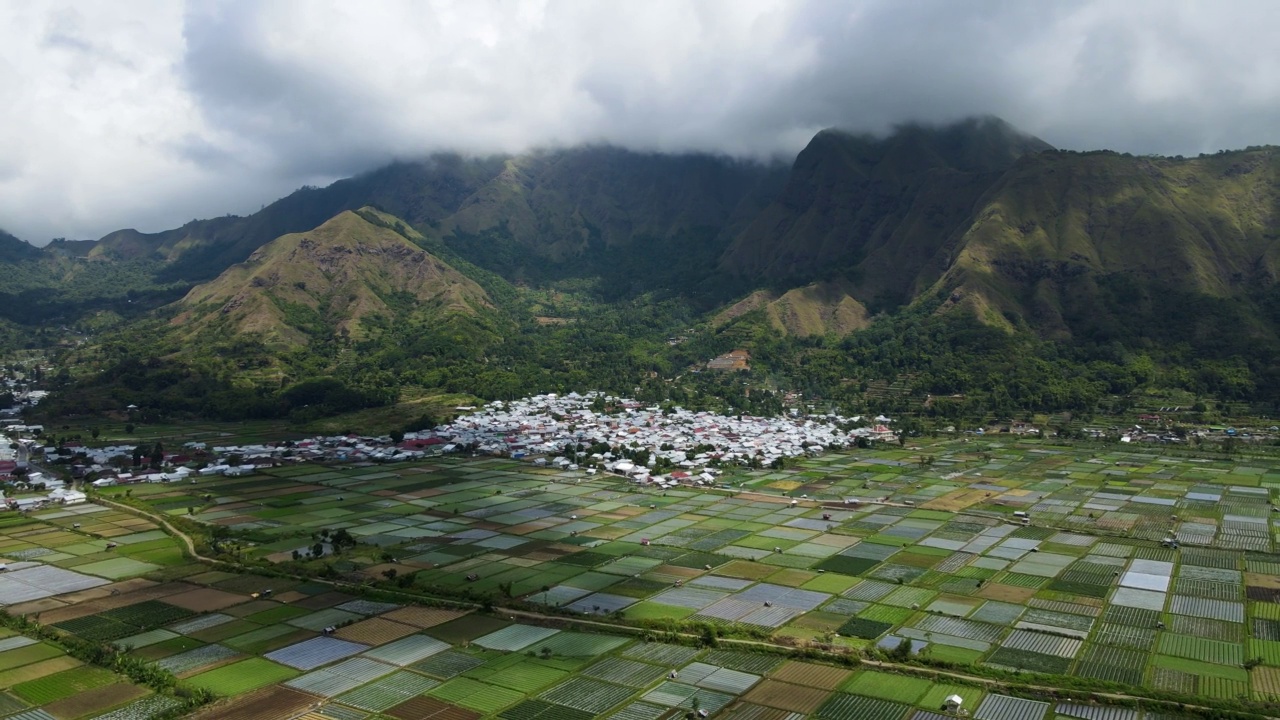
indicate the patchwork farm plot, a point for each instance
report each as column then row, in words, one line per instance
column 39, row 680
column 1135, row 569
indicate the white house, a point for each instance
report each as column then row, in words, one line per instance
column 68, row 497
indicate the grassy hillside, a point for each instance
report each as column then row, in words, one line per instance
column 823, row 308
column 350, row 277
column 969, row 259
column 1056, row 223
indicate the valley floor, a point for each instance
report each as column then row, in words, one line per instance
column 1090, row 595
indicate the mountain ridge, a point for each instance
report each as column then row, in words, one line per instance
column 868, row 207
column 607, row 266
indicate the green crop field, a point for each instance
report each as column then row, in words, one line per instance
column 27, row 655
column 899, row 688
column 841, row 706
column 1200, row 668
column 952, row 573
column 64, row 684
column 475, row 695
column 1196, row 648
column 243, row 676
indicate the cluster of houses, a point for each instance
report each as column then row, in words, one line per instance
column 562, row 430
column 1166, row 436
column 24, row 396
column 592, row 431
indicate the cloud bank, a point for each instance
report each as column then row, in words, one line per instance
column 146, row 114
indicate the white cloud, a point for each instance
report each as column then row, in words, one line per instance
column 147, row 114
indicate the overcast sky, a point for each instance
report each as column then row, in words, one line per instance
column 148, row 114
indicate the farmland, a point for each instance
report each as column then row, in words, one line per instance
column 1087, row 589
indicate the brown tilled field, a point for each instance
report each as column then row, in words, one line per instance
column 824, row 677
column 205, row 599
column 1007, row 593
column 423, row 707
column 324, row 600
column 273, row 703
column 251, row 607
column 375, row 631
column 795, row 698
column 747, row 570
column 1259, row 580
column 423, row 617
column 35, row 607
column 70, row 612
column 94, row 702
column 956, row 500
column 748, row 711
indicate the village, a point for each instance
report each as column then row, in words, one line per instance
column 644, row 443
column 592, row 432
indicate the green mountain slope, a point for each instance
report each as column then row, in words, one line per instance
column 1057, row 224
column 822, row 308
column 571, row 202
column 961, row 256
column 420, row 192
column 351, row 277
column 876, row 211
column 14, row 250
column 502, row 212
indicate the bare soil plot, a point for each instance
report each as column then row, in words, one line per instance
column 324, row 600
column 375, row 631
column 423, row 617
column 274, row 703
column 1006, row 593
column 786, row 696
column 123, row 587
column 94, row 701
column 252, row 606
column 749, row 711
column 466, row 628
column 70, row 612
column 956, row 500
column 35, row 607
column 423, row 707
column 205, row 600
column 824, row 677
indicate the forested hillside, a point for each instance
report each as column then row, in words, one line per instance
column 964, row 260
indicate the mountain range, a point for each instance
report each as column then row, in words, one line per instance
column 974, row 220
